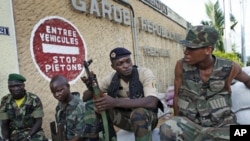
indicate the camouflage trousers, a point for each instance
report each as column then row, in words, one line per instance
column 39, row 136
column 91, row 118
column 140, row 121
column 182, row 129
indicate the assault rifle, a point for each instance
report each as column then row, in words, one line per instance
column 57, row 131
column 93, row 86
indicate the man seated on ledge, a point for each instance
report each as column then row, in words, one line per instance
column 202, row 100
column 70, row 112
column 131, row 95
column 21, row 113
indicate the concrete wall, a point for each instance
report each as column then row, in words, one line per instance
column 100, row 35
column 8, row 53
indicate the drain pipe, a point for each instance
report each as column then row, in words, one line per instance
column 133, row 28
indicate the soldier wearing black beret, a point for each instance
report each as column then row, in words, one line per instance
column 131, row 95
column 118, row 53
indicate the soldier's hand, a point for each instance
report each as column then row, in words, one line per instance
column 104, row 103
column 88, row 81
column 87, row 95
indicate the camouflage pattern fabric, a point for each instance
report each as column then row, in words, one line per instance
column 72, row 116
column 79, row 119
column 141, row 121
column 91, row 118
column 200, row 36
column 22, row 119
column 39, row 136
column 183, row 129
column 204, row 107
column 207, row 103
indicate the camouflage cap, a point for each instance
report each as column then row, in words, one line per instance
column 200, row 36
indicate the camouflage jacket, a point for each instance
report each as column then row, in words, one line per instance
column 207, row 103
column 23, row 118
column 72, row 116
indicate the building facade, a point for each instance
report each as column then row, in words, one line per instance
column 42, row 38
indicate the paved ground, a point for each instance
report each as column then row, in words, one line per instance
column 123, row 135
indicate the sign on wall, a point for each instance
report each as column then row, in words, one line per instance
column 57, row 47
column 4, row 30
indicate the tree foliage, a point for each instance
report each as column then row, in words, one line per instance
column 217, row 20
column 230, row 56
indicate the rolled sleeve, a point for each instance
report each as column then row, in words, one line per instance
column 38, row 114
column 38, row 109
column 3, row 113
column 3, row 116
column 105, row 82
column 148, row 81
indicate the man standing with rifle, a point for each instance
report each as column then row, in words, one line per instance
column 130, row 96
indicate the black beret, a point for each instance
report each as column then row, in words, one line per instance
column 119, row 52
column 16, row 77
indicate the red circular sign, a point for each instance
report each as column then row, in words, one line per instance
column 58, row 48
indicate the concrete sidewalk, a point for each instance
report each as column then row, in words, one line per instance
column 123, row 135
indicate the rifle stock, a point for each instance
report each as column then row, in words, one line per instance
column 57, row 132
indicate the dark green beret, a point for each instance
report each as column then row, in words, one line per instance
column 16, row 77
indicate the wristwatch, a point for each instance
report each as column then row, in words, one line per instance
column 28, row 138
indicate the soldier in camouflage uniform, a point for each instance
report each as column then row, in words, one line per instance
column 21, row 113
column 131, row 99
column 202, row 100
column 70, row 111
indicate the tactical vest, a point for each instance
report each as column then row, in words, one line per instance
column 207, row 103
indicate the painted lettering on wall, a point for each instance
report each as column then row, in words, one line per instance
column 57, row 48
column 155, row 52
column 157, row 5
column 158, row 30
column 103, row 9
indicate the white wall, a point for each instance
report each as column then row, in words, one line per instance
column 8, row 53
